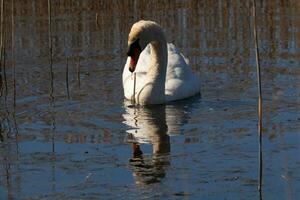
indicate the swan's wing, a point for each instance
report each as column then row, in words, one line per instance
column 180, row 80
column 177, row 64
column 140, row 70
column 172, row 50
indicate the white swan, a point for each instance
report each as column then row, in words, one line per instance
column 162, row 73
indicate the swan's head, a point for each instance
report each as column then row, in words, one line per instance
column 141, row 33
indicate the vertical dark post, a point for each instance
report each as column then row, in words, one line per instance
column 50, row 48
column 259, row 96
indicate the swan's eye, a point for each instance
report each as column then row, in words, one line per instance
column 133, row 46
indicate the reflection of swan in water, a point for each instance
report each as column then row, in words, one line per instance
column 149, row 127
column 153, row 125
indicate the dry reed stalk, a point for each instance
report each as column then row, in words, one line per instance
column 1, row 79
column 16, row 130
column 50, row 48
column 259, row 96
column 67, row 78
column 78, row 71
column 97, row 16
column 1, row 45
column 1, row 30
column 1, row 70
column 4, row 62
column 4, row 71
column 14, row 70
column 13, row 49
column 4, row 59
column 53, row 134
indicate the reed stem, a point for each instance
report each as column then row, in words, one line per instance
column 67, row 78
column 1, row 79
column 1, row 45
column 1, row 70
column 1, row 30
column 3, row 38
column 78, row 71
column 259, row 96
column 13, row 49
column 50, row 48
column 97, row 18
column 4, row 72
column 4, row 61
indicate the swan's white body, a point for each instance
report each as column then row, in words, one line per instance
column 162, row 72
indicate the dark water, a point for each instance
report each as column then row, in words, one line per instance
column 79, row 146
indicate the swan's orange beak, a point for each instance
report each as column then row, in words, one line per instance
column 134, row 52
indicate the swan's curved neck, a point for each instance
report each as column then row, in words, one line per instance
column 159, row 59
column 154, row 90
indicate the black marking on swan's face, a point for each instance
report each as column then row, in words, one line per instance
column 134, row 51
column 133, row 46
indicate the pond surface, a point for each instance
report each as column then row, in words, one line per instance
column 74, row 138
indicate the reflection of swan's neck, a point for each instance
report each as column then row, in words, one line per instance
column 162, row 144
column 154, row 90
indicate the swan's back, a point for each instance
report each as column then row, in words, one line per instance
column 180, row 81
